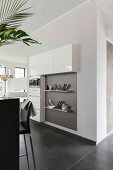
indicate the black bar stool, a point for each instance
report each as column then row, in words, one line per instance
column 24, row 128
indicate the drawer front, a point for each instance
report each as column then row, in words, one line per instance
column 34, row 91
column 37, row 117
column 35, row 101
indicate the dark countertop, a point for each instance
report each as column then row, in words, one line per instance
column 6, row 98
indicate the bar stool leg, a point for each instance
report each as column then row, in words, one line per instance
column 26, row 152
column 32, row 152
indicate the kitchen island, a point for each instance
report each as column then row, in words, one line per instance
column 9, row 134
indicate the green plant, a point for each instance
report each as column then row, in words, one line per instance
column 12, row 14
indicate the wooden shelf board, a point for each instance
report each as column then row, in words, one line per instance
column 58, row 110
column 60, row 91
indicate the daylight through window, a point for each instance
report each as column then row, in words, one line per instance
column 19, row 72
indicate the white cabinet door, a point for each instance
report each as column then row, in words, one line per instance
column 63, row 59
column 34, row 92
column 46, row 62
column 55, row 61
column 41, row 64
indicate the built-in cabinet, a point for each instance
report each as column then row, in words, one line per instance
column 58, row 60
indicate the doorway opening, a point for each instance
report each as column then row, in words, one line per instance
column 109, row 87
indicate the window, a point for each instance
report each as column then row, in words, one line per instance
column 2, row 70
column 2, row 84
column 19, row 72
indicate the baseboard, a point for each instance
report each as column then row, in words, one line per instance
column 64, row 131
column 68, row 132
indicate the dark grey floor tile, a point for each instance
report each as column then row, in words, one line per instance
column 71, row 145
column 57, row 151
column 101, row 158
column 57, row 160
column 93, row 163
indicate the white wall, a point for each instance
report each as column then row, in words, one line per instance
column 109, row 33
column 14, row 52
column 17, row 84
column 101, row 78
column 79, row 28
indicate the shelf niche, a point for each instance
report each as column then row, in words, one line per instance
column 57, row 116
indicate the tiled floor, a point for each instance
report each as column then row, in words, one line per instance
column 101, row 158
column 57, row 151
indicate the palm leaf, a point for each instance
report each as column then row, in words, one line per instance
column 9, row 35
column 12, row 12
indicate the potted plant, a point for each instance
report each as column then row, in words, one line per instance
column 12, row 14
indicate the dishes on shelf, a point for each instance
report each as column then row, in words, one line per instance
column 66, row 107
column 50, row 102
column 64, row 87
column 61, row 105
column 51, row 107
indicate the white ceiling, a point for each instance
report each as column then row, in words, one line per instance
column 44, row 12
column 47, row 10
column 107, row 8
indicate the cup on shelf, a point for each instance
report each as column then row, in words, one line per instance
column 50, row 87
column 64, row 107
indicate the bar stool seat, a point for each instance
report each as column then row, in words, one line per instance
column 24, row 129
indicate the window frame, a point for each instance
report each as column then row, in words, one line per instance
column 4, row 68
column 23, row 69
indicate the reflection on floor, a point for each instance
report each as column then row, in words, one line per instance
column 55, row 150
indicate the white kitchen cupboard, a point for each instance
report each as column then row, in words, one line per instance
column 63, row 57
column 59, row 60
column 34, row 92
column 33, row 66
column 46, row 62
column 41, row 64
column 34, row 97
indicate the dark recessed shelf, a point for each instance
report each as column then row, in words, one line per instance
column 60, row 110
column 60, row 91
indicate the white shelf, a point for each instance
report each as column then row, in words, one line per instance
column 60, row 91
column 59, row 110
